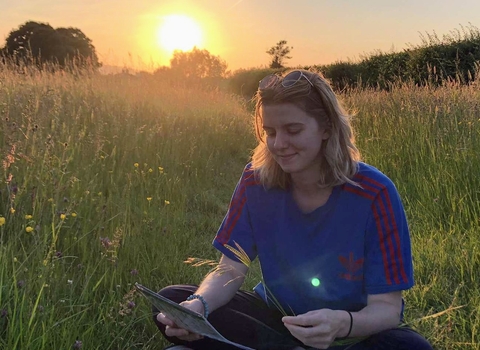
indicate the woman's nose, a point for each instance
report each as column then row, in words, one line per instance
column 281, row 141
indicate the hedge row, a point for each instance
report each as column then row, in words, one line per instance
column 454, row 57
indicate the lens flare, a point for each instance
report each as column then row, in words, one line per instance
column 315, row 282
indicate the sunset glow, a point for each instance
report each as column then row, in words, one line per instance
column 179, row 32
column 143, row 34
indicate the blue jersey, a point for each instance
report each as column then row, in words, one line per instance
column 356, row 244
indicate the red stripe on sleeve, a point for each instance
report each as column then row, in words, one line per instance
column 390, row 224
column 372, row 181
column 375, row 190
column 235, row 219
column 382, row 243
column 234, row 211
column 397, row 239
column 359, row 191
column 388, row 229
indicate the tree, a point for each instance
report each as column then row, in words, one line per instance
column 279, row 54
column 198, row 64
column 40, row 43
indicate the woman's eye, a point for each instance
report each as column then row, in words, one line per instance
column 269, row 133
column 293, row 132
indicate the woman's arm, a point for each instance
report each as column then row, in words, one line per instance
column 319, row 328
column 382, row 312
column 217, row 289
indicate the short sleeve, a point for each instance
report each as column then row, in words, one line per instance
column 236, row 229
column 388, row 256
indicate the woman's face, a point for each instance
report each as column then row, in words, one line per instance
column 293, row 138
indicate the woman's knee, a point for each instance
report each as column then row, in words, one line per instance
column 178, row 292
column 175, row 293
column 403, row 338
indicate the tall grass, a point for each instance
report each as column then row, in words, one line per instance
column 427, row 141
column 116, row 180
column 120, row 179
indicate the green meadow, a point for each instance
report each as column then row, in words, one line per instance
column 112, row 180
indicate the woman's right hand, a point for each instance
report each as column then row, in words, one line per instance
column 172, row 330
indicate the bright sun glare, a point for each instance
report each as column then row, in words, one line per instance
column 179, row 32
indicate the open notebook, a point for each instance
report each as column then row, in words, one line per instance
column 185, row 318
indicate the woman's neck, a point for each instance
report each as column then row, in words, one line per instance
column 310, row 195
column 306, row 183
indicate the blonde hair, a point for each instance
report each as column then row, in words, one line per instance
column 340, row 155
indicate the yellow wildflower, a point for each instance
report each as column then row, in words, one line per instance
column 63, row 216
column 12, row 210
column 2, row 221
column 160, row 169
column 74, row 214
column 28, row 217
column 150, row 170
column 29, row 229
column 50, row 200
column 167, row 202
column 149, row 199
column 15, row 259
column 136, row 165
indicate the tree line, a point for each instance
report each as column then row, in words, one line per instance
column 35, row 43
column 452, row 57
column 39, row 44
column 436, row 60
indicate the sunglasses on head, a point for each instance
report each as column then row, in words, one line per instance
column 288, row 81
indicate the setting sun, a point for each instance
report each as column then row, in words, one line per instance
column 179, row 32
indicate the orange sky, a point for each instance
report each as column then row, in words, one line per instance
column 125, row 33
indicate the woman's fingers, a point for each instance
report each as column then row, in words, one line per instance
column 164, row 320
column 176, row 332
column 182, row 334
column 172, row 330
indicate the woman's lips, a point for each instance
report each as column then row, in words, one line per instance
column 286, row 157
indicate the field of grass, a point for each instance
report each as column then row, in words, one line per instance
column 107, row 181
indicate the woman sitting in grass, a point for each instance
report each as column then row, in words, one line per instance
column 330, row 233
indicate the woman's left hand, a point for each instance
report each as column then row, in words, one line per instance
column 318, row 328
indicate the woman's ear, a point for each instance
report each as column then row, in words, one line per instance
column 327, row 132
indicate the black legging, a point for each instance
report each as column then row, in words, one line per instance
column 247, row 320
